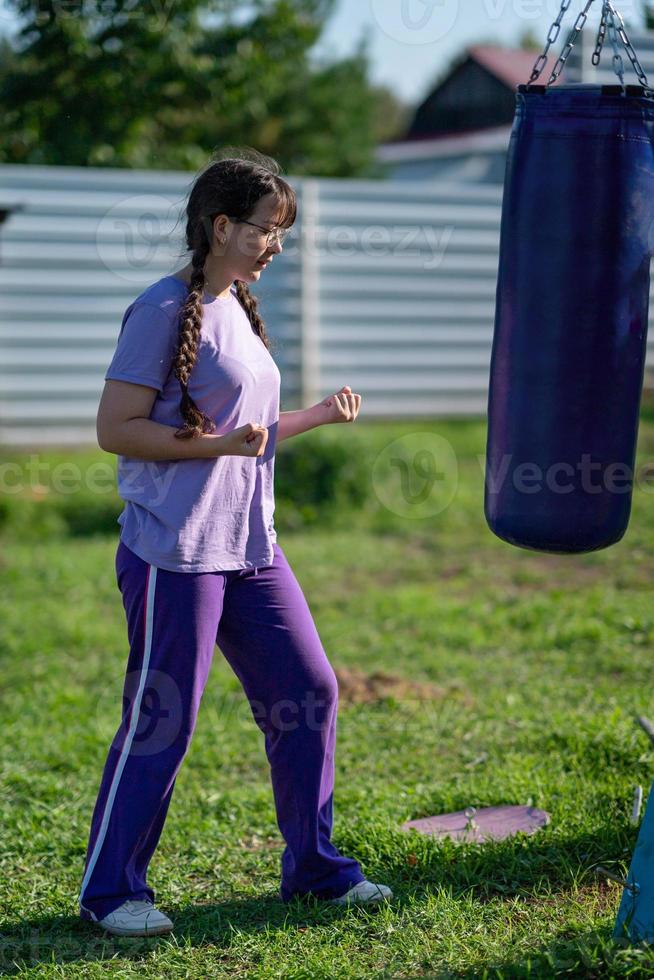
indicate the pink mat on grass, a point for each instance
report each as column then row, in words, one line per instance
column 488, row 823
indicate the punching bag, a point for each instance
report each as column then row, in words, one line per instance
column 572, row 303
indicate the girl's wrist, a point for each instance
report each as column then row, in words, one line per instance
column 318, row 414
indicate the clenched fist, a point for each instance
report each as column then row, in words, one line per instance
column 248, row 440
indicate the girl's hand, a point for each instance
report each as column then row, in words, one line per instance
column 342, row 406
column 247, row 440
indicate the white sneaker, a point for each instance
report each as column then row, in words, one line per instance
column 136, row 918
column 363, row 892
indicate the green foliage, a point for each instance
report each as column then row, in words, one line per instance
column 197, row 77
column 517, row 678
column 317, row 477
column 530, row 41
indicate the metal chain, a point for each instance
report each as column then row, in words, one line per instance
column 601, row 34
column 608, row 22
column 572, row 37
column 541, row 61
column 618, row 63
column 642, row 77
column 609, row 16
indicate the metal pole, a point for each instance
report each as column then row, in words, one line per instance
column 310, row 380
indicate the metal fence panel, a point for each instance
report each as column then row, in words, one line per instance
column 388, row 286
column 84, row 243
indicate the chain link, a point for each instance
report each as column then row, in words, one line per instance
column 618, row 63
column 601, row 34
column 541, row 61
column 572, row 37
column 642, row 77
column 609, row 17
column 608, row 22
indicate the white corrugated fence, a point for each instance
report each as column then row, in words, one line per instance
column 387, row 286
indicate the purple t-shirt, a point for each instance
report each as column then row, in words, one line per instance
column 199, row 515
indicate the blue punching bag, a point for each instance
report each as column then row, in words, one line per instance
column 572, row 305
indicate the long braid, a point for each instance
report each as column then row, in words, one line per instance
column 250, row 304
column 230, row 186
column 190, row 324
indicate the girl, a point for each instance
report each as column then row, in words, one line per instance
column 198, row 561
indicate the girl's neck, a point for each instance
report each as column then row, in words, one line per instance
column 185, row 276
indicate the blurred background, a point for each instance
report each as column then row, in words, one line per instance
column 470, row 672
column 391, row 120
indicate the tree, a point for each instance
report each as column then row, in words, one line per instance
column 162, row 83
column 530, row 42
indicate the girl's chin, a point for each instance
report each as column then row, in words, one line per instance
column 252, row 275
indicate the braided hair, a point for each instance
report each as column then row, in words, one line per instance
column 231, row 186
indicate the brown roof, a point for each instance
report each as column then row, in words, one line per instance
column 511, row 65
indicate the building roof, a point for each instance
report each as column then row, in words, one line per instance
column 488, row 140
column 512, row 66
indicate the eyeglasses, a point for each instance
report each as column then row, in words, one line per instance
column 271, row 233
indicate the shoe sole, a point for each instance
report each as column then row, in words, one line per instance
column 141, row 933
column 362, row 901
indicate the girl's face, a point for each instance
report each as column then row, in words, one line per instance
column 248, row 249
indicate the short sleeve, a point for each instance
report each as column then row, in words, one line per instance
column 146, row 346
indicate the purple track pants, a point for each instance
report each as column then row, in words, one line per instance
column 262, row 624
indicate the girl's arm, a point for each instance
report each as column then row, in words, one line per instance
column 292, row 423
column 123, row 427
column 343, row 406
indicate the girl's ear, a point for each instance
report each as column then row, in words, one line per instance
column 220, row 228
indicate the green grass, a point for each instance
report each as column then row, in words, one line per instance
column 531, row 667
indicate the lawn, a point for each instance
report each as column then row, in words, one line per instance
column 470, row 673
